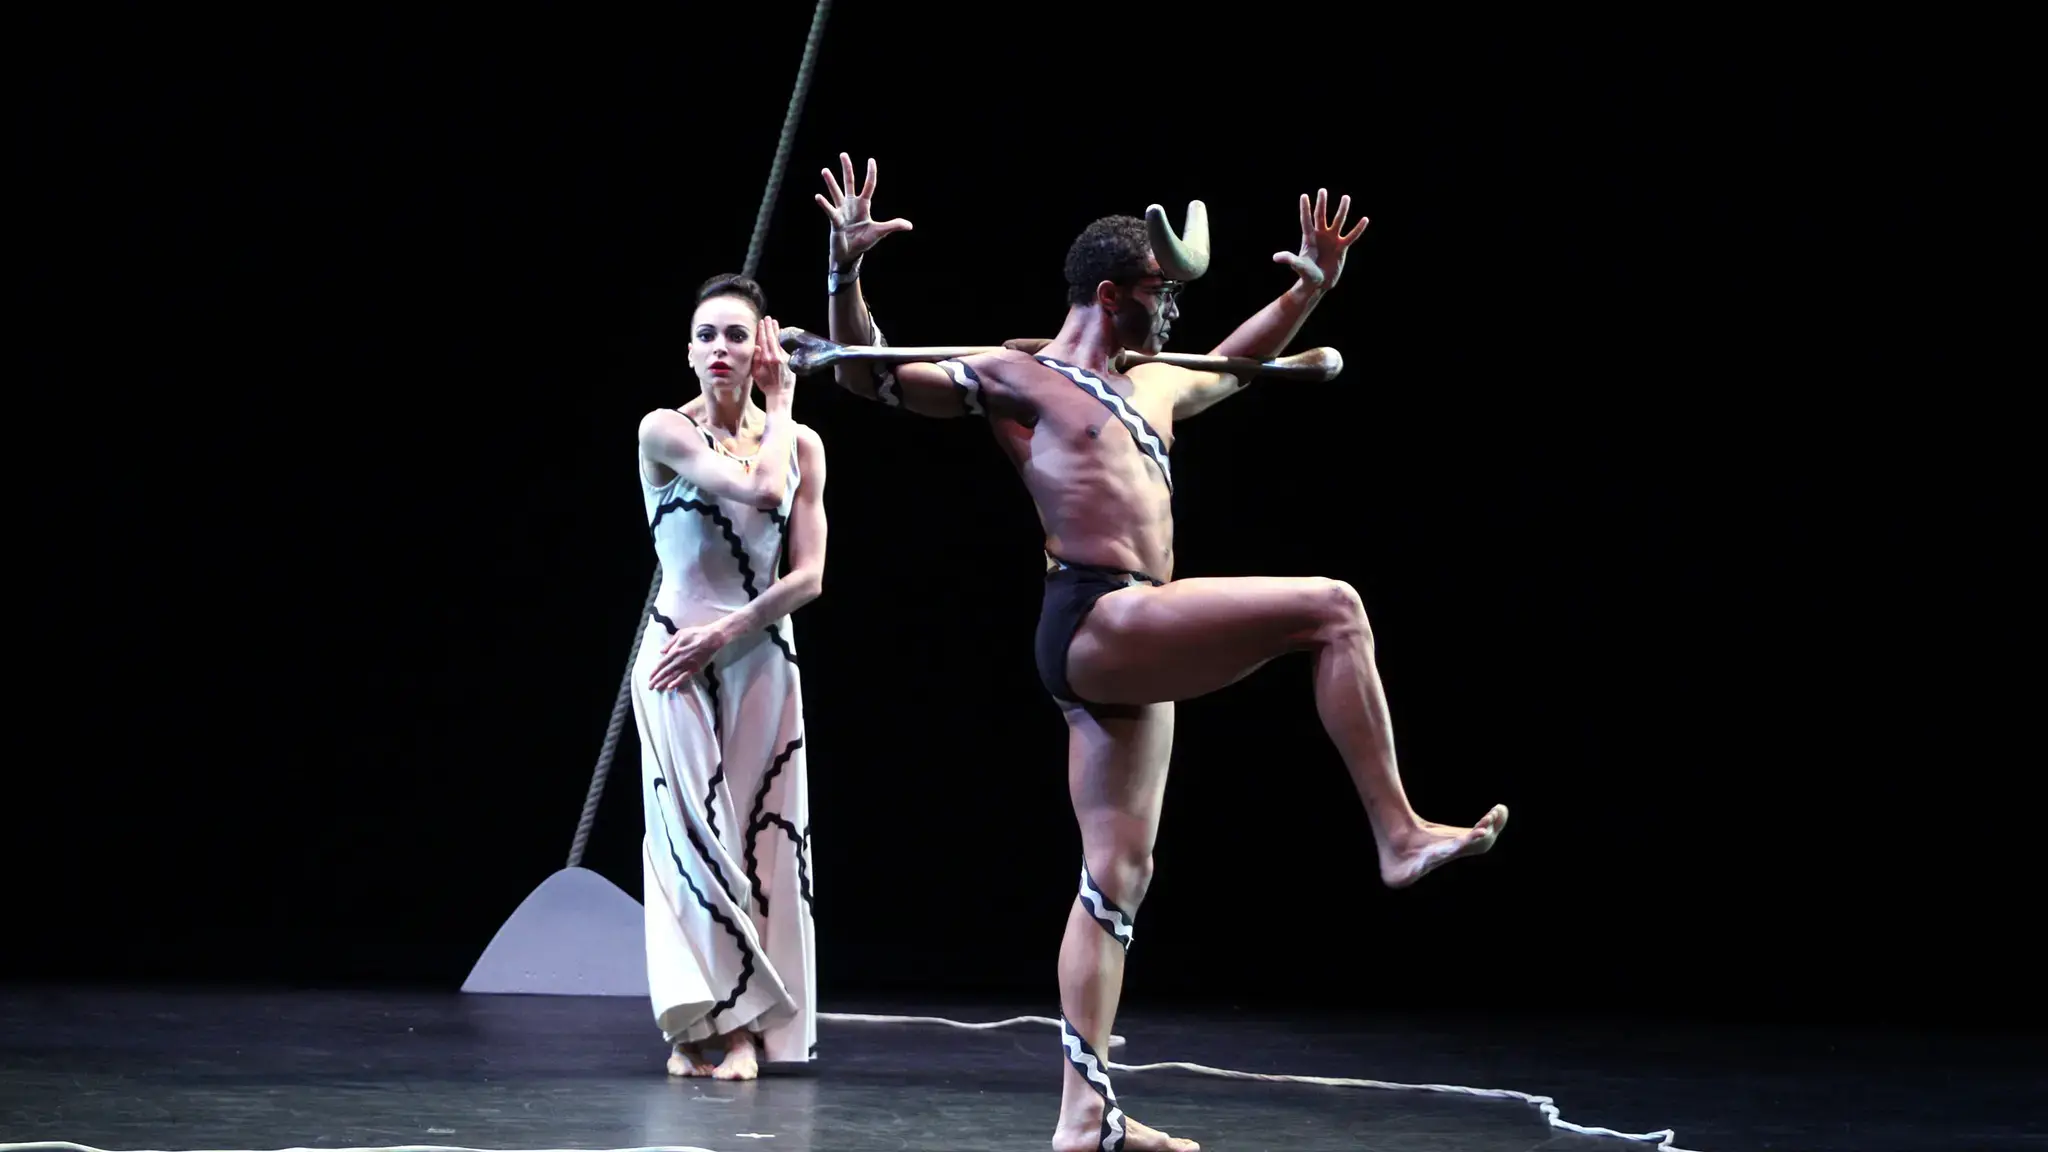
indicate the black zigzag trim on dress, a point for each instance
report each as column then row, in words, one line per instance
column 775, row 637
column 731, row 929
column 711, row 789
column 717, row 725
column 755, row 823
column 797, row 840
column 705, row 854
column 781, row 541
column 711, row 687
column 711, row 802
column 725, row 527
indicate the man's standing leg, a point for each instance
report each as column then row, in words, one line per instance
column 1116, row 775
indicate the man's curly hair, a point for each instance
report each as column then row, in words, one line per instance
column 1112, row 248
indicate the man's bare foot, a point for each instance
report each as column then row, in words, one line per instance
column 1429, row 846
column 1083, row 1133
column 742, row 1059
column 688, row 1060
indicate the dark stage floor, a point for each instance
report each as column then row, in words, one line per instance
column 206, row 1070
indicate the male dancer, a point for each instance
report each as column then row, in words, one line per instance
column 1119, row 640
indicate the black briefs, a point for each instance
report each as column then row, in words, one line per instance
column 1071, row 590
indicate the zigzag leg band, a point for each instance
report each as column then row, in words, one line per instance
column 1084, row 1060
column 1112, row 918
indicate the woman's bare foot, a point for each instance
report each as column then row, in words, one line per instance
column 1421, row 851
column 742, row 1059
column 1082, row 1132
column 688, row 1060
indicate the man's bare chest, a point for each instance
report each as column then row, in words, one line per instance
column 1098, row 415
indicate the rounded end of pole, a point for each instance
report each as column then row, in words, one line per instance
column 1332, row 362
column 1314, row 364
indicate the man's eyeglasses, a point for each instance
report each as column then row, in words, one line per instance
column 1167, row 290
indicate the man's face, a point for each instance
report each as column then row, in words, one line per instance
column 1149, row 306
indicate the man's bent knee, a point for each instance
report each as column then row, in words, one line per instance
column 1340, row 611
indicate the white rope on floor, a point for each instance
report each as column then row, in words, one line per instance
column 858, row 1018
column 1545, row 1104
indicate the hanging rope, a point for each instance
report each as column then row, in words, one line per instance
column 796, row 107
column 611, row 731
column 624, row 701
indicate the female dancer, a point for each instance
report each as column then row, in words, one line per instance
column 730, row 489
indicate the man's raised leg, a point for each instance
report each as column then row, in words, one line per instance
column 1116, row 775
column 1190, row 637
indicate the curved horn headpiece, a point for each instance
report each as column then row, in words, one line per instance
column 1182, row 257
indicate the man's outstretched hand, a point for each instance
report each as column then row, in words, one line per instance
column 1323, row 242
column 853, row 231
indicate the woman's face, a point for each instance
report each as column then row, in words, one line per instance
column 722, row 341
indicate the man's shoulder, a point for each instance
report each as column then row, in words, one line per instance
column 998, row 356
column 1004, row 365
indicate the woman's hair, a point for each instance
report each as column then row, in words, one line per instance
column 734, row 284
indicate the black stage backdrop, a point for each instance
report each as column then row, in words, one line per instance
column 1666, row 458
